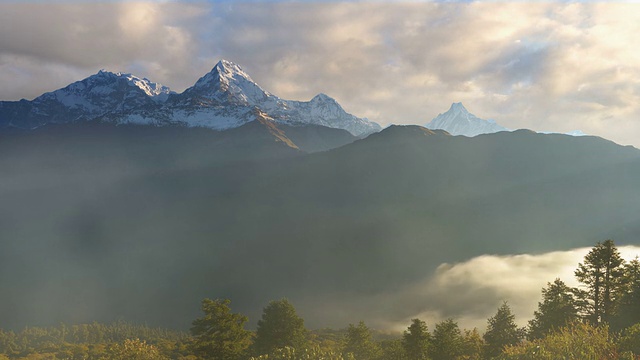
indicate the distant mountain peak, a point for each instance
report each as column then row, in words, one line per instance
column 458, row 107
column 459, row 121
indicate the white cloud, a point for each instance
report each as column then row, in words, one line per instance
column 471, row 291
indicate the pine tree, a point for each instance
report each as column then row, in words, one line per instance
column 415, row 340
column 501, row 331
column 359, row 343
column 279, row 327
column 602, row 275
column 220, row 334
column 628, row 312
column 557, row 309
column 447, row 341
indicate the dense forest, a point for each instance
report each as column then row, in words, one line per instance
column 600, row 319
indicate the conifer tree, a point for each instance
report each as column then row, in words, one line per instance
column 359, row 343
column 279, row 327
column 628, row 312
column 220, row 334
column 502, row 331
column 415, row 340
column 603, row 276
column 557, row 309
column 447, row 341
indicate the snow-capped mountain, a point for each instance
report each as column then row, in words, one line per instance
column 458, row 121
column 99, row 94
column 224, row 98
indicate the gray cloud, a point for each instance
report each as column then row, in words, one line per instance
column 546, row 66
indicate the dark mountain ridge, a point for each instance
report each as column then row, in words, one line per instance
column 131, row 221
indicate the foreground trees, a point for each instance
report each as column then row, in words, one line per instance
column 359, row 343
column 133, row 349
column 558, row 308
column 502, row 331
column 602, row 275
column 415, row 340
column 220, row 334
column 447, row 341
column 279, row 327
column 574, row 342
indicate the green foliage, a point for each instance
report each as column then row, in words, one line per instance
column 84, row 341
column 359, row 344
column 557, row 309
column 628, row 312
column 289, row 353
column 501, row 331
column 279, row 327
column 472, row 345
column 602, row 274
column 447, row 341
column 416, row 339
column 220, row 334
column 392, row 350
column 630, row 339
column 133, row 349
column 577, row 341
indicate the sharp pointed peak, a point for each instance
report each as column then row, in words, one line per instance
column 226, row 67
column 322, row 97
column 457, row 106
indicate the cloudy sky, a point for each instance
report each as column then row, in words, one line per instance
column 552, row 66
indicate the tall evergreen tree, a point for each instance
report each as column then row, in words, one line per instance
column 628, row 312
column 602, row 275
column 279, row 327
column 415, row 340
column 359, row 344
column 220, row 334
column 446, row 341
column 501, row 331
column 557, row 309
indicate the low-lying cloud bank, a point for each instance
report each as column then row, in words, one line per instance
column 469, row 292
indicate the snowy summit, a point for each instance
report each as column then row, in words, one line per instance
column 224, row 98
column 458, row 121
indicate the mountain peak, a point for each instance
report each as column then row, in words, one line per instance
column 323, row 98
column 228, row 69
column 459, row 121
column 458, row 107
column 228, row 82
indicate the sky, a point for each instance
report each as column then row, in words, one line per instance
column 546, row 66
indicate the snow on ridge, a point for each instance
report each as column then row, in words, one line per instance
column 459, row 121
column 221, row 99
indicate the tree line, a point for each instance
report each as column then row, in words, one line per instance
column 599, row 319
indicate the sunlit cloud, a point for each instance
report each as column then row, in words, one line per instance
column 469, row 292
column 551, row 66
